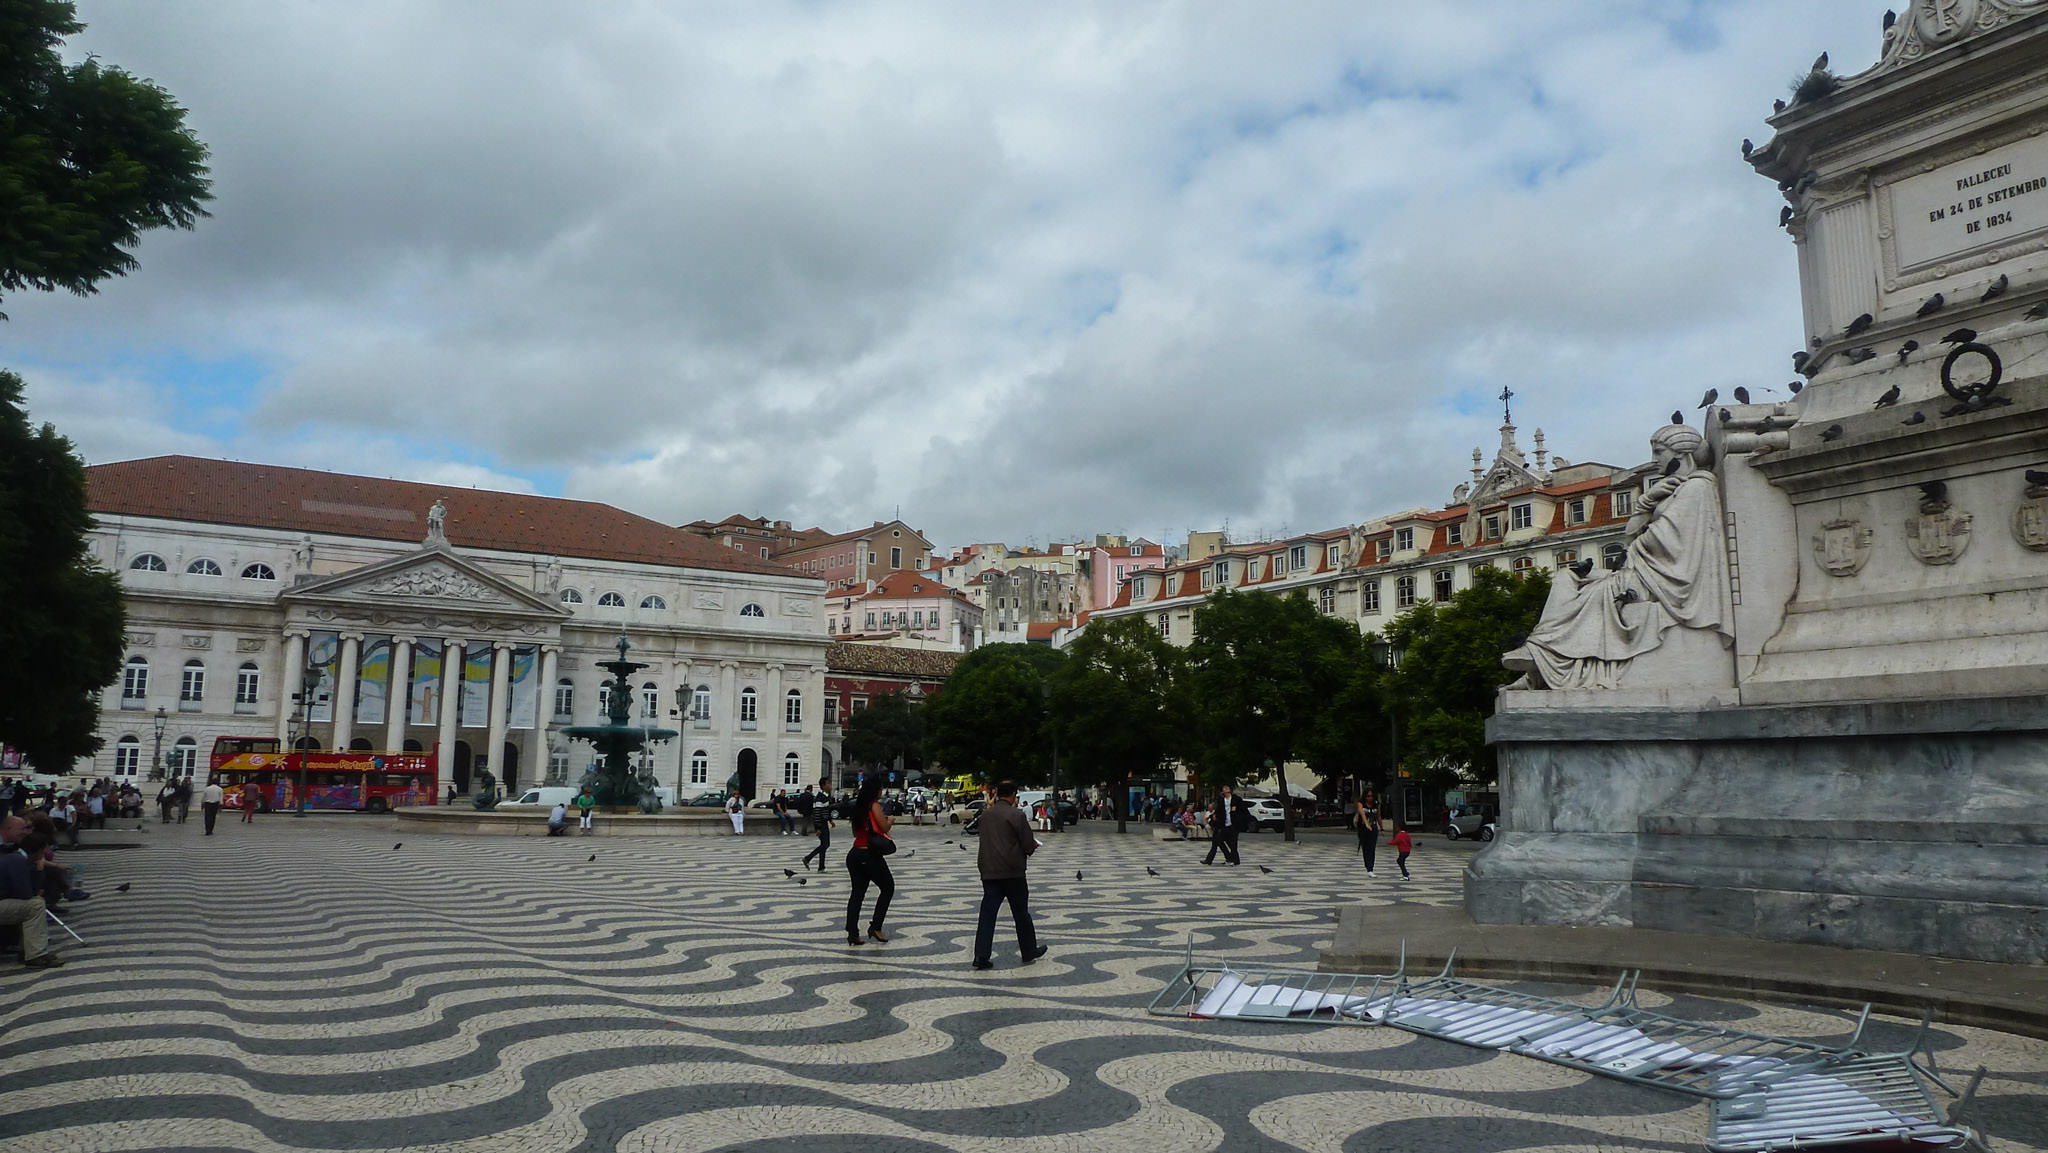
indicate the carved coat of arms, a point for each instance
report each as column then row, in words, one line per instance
column 1939, row 534
column 2030, row 519
column 1842, row 547
column 1943, row 20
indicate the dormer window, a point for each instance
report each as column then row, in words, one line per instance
column 1522, row 516
column 1575, row 511
column 1297, row 558
column 1223, row 572
column 1333, row 555
column 1138, row 589
column 1137, row 550
column 1404, row 539
column 1624, row 504
column 1386, row 547
column 1493, row 528
column 1455, row 533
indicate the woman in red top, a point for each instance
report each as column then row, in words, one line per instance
column 868, row 868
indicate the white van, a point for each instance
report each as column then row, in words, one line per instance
column 549, row 797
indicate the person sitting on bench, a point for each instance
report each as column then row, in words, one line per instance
column 20, row 904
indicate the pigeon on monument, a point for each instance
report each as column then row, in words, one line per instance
column 1627, row 597
column 1784, row 216
column 1960, row 336
column 1859, row 355
column 1997, row 288
column 1726, row 416
column 1741, row 395
column 1582, row 568
column 1916, row 418
column 1890, row 18
column 1795, row 386
column 2038, row 312
column 1713, row 394
column 1798, row 359
column 1935, row 491
column 1890, row 398
column 1777, row 106
column 1859, row 324
column 2037, row 476
column 1678, row 416
column 1820, row 62
column 1932, row 305
column 1831, row 432
column 1747, row 147
column 1907, row 349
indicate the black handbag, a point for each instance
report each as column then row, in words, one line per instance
column 880, row 844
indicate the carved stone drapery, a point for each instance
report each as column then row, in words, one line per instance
column 433, row 580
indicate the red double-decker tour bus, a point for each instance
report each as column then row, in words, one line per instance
column 371, row 782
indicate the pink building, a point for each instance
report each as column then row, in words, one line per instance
column 1106, row 567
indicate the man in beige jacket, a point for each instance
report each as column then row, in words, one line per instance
column 1006, row 844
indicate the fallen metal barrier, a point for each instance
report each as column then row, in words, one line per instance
column 1767, row 1093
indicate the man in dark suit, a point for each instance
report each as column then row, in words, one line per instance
column 1228, row 817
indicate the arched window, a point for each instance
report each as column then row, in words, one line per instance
column 793, row 710
column 604, row 700
column 247, row 683
column 1567, row 556
column 752, row 610
column 192, row 686
column 571, row 597
column 203, row 567
column 127, row 756
column 1445, row 585
column 700, row 706
column 565, row 699
column 611, row 601
column 750, row 708
column 149, row 562
column 650, row 701
column 134, row 682
column 792, row 770
column 700, row 768
column 184, row 757
column 653, row 602
column 1612, row 555
column 1523, row 564
column 258, row 572
column 1404, row 592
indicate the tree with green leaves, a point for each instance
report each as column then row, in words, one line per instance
column 1261, row 672
column 990, row 723
column 1116, row 703
column 62, row 630
column 890, row 727
column 90, row 158
column 1450, row 672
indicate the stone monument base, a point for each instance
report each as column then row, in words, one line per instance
column 1917, row 827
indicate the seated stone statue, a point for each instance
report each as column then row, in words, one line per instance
column 1674, row 574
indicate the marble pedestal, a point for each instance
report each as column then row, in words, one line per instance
column 1910, row 826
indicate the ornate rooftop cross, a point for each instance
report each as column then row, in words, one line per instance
column 1507, row 415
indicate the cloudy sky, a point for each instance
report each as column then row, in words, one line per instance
column 1024, row 271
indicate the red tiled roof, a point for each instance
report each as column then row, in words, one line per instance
column 205, row 491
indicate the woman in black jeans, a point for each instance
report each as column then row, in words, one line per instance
column 865, row 867
column 1365, row 817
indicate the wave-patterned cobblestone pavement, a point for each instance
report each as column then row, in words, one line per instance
column 302, row 985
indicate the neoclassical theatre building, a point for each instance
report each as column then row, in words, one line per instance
column 445, row 620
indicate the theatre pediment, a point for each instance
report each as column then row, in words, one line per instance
column 435, row 577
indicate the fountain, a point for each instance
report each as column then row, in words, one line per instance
column 614, row 782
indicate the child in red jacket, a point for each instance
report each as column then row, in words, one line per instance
column 1403, row 845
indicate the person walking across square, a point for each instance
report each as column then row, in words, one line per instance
column 818, row 806
column 1365, row 818
column 249, row 794
column 1403, row 845
column 867, row 863
column 209, row 804
column 1227, row 818
column 1006, row 847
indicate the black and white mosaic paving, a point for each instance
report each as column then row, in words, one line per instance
column 304, row 985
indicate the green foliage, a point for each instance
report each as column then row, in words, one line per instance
column 1262, row 672
column 991, row 720
column 1115, row 702
column 1450, row 674
column 90, row 158
column 888, row 728
column 62, row 628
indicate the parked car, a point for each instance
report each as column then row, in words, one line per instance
column 1266, row 814
column 714, row 799
column 1475, row 823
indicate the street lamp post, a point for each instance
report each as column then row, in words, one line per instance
column 1045, row 692
column 309, row 683
column 1389, row 658
column 156, row 758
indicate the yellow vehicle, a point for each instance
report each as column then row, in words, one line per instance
column 962, row 788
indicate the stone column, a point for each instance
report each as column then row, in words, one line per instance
column 289, row 680
column 544, row 711
column 769, row 773
column 729, row 692
column 398, row 694
column 451, row 697
column 501, row 700
column 345, row 691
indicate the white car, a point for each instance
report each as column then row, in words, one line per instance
column 1266, row 813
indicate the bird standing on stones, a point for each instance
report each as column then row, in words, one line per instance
column 2036, row 476
column 1859, row 324
column 1831, row 432
column 1890, row 398
column 1077, row 874
column 1916, row 418
column 1960, row 336
column 1932, row 305
column 122, row 887
column 2038, row 312
column 1678, row 416
column 787, row 873
column 1997, row 288
column 1713, row 394
column 910, row 854
column 398, row 846
column 1150, row 871
column 1741, row 395
column 803, row 880
column 1907, row 349
column 1264, row 869
column 593, row 857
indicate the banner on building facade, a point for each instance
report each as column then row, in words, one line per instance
column 373, row 680
column 426, row 682
column 525, row 687
column 476, row 688
column 323, row 654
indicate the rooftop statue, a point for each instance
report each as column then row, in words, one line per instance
column 1674, row 574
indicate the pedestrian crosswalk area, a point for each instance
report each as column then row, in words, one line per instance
column 334, row 984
